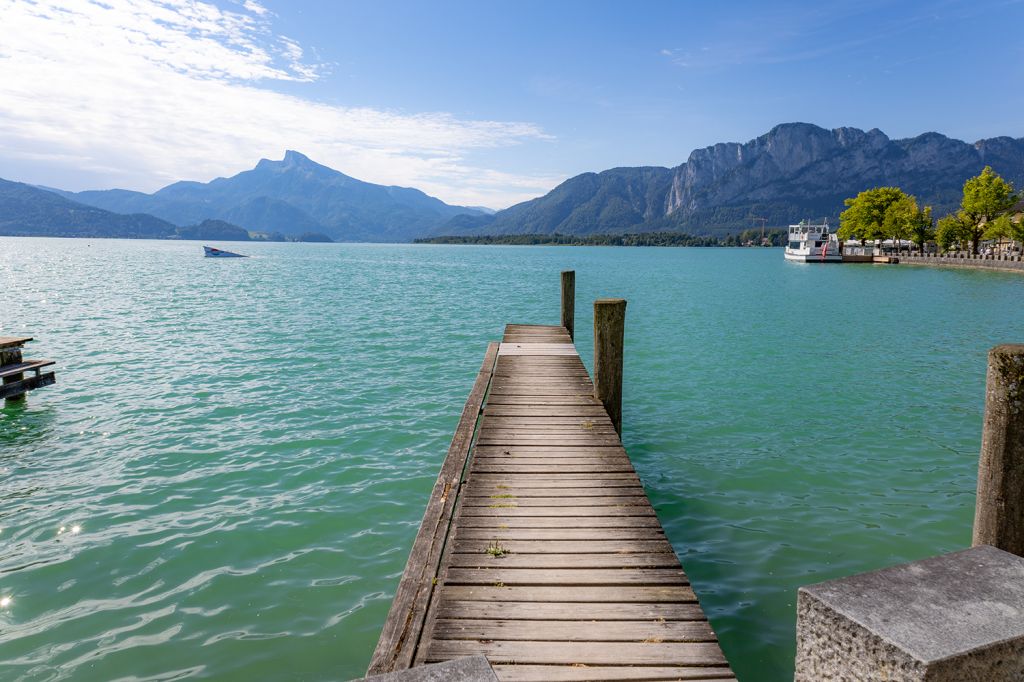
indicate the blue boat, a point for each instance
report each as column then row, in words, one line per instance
column 211, row 252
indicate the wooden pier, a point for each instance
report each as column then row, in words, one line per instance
column 539, row 548
column 13, row 369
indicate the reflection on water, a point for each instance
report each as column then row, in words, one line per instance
column 227, row 477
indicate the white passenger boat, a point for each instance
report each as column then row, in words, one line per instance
column 810, row 243
column 211, row 252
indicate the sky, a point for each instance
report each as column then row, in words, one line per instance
column 481, row 102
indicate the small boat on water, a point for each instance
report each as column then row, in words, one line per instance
column 211, row 252
column 810, row 243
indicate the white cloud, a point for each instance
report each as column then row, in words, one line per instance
column 138, row 93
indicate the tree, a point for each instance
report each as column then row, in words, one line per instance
column 952, row 231
column 986, row 196
column 904, row 220
column 864, row 217
column 999, row 228
column 1017, row 230
column 922, row 228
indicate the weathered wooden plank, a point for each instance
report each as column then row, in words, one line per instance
column 505, row 522
column 24, row 366
column 506, row 510
column 587, row 653
column 544, row 401
column 611, row 560
column 551, row 461
column 565, row 576
column 12, row 341
column 552, row 470
column 578, row 406
column 553, row 489
column 396, row 646
column 564, row 479
column 479, row 545
column 565, row 534
column 16, row 388
column 637, row 500
column 590, row 673
column 556, row 631
column 541, row 450
column 453, row 608
column 570, row 594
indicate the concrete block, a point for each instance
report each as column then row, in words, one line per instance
column 469, row 669
column 958, row 616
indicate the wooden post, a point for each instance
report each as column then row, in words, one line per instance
column 999, row 514
column 609, row 329
column 569, row 302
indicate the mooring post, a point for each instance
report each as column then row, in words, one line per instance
column 569, row 302
column 999, row 514
column 609, row 329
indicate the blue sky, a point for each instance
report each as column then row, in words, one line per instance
column 477, row 102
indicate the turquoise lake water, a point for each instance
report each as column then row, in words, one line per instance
column 247, row 446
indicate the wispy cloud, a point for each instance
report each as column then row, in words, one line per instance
column 138, row 93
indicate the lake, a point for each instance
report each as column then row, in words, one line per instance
column 247, row 445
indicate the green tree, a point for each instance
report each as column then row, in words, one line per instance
column 1017, row 231
column 999, row 228
column 986, row 196
column 952, row 231
column 904, row 220
column 864, row 217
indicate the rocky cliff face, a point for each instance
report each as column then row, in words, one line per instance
column 795, row 171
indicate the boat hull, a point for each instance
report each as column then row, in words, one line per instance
column 211, row 252
column 808, row 258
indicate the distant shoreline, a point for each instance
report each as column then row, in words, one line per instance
column 749, row 238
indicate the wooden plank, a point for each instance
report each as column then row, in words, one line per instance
column 506, row 523
column 564, row 577
column 612, row 560
column 396, row 646
column 16, row 388
column 564, row 534
column 495, row 523
column 24, row 366
column 512, row 410
column 637, row 500
column 589, row 480
column 453, row 608
column 506, row 510
column 12, row 341
column 540, row 450
column 591, row 673
column 587, row 653
column 593, row 631
column 478, row 545
column 570, row 594
column 550, row 431
column 545, row 401
column 554, row 469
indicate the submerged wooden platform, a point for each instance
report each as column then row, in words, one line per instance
column 13, row 368
column 539, row 548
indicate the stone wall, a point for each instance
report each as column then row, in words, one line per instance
column 964, row 261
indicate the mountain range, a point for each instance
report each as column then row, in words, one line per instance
column 795, row 171
column 292, row 196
